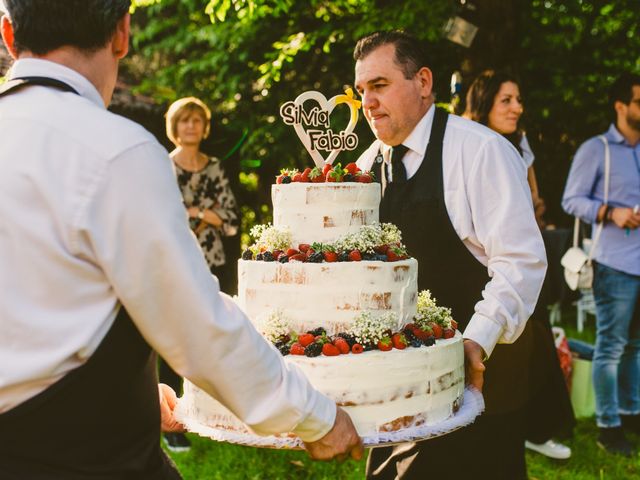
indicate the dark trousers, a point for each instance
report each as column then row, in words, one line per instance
column 549, row 412
column 167, row 375
column 492, row 448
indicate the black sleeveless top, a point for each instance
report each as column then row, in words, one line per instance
column 101, row 421
column 448, row 269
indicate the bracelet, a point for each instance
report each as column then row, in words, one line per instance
column 201, row 215
column 609, row 214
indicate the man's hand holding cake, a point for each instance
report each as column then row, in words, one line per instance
column 341, row 442
column 474, row 364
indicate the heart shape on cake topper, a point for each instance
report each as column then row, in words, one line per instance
column 314, row 140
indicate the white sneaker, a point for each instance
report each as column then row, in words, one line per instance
column 550, row 449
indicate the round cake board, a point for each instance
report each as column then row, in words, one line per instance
column 472, row 406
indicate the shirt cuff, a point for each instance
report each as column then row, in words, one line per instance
column 319, row 422
column 594, row 211
column 484, row 332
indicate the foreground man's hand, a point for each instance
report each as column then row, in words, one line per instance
column 341, row 442
column 168, row 400
column 474, row 368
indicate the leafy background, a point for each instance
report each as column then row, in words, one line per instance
column 247, row 57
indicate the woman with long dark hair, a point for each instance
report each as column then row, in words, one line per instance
column 494, row 100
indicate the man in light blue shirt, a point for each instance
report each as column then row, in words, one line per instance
column 616, row 286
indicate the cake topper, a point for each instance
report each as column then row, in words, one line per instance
column 319, row 137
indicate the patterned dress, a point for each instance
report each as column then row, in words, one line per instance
column 209, row 189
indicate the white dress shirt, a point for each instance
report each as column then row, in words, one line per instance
column 489, row 204
column 91, row 218
column 527, row 153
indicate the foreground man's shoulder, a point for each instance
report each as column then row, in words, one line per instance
column 109, row 132
column 470, row 129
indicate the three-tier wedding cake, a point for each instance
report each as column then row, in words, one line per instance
column 336, row 293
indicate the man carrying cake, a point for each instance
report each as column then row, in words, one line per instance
column 459, row 195
column 99, row 268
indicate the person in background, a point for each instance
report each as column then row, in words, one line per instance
column 457, row 192
column 100, row 268
column 616, row 282
column 494, row 100
column 211, row 206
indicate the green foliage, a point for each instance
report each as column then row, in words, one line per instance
column 142, row 3
column 571, row 52
column 247, row 57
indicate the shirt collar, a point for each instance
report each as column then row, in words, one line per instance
column 418, row 139
column 45, row 68
column 614, row 135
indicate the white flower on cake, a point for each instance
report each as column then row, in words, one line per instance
column 370, row 236
column 275, row 326
column 390, row 234
column 370, row 329
column 270, row 238
column 428, row 311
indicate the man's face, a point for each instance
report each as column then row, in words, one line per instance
column 392, row 104
column 633, row 109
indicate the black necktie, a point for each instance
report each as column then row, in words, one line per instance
column 397, row 167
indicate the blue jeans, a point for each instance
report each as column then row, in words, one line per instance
column 616, row 360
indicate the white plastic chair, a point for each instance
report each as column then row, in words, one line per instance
column 555, row 313
column 585, row 305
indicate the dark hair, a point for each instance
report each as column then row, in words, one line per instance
column 41, row 26
column 622, row 90
column 481, row 97
column 411, row 54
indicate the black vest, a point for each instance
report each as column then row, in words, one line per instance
column 447, row 268
column 101, row 421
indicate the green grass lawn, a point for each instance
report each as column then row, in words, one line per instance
column 211, row 460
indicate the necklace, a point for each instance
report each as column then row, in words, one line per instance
column 194, row 164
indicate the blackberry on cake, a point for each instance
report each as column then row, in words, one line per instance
column 268, row 257
column 317, row 331
column 344, row 257
column 313, row 349
column 316, row 257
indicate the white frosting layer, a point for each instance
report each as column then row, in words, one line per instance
column 328, row 295
column 379, row 390
column 322, row 212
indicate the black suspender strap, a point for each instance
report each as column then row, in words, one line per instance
column 17, row 83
